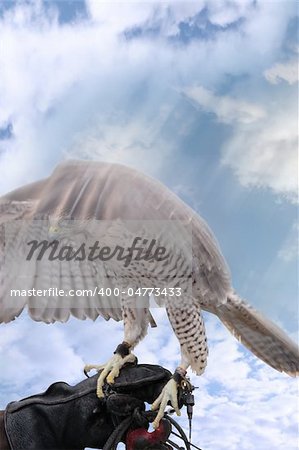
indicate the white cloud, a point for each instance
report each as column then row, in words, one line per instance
column 168, row 14
column 283, row 72
column 32, row 357
column 227, row 109
column 128, row 139
column 61, row 86
column 263, row 148
column 225, row 13
column 86, row 105
column 264, row 155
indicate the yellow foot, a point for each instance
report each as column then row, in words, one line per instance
column 169, row 393
column 110, row 370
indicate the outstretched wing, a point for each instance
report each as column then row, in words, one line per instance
column 86, row 191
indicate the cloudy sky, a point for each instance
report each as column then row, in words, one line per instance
column 203, row 96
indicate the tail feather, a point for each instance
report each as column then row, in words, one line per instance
column 261, row 336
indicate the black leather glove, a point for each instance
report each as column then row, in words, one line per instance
column 74, row 417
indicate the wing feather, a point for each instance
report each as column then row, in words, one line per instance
column 83, row 191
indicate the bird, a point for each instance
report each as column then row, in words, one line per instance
column 86, row 201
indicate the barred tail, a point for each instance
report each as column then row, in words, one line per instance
column 261, row 336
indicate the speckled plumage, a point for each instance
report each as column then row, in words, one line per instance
column 86, row 190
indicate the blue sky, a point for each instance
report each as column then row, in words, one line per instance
column 202, row 96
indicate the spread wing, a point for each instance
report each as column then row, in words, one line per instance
column 86, row 191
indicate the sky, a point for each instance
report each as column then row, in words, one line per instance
column 202, row 96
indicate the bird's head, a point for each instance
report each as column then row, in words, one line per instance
column 65, row 229
column 61, row 227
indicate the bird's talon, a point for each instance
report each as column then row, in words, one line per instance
column 100, row 393
column 89, row 367
column 110, row 378
column 86, row 370
column 110, row 370
column 169, row 393
column 155, row 424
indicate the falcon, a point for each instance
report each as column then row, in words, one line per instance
column 85, row 201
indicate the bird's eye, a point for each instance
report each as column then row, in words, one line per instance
column 53, row 229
